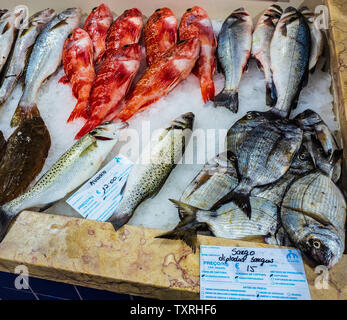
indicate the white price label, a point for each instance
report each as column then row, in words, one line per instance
column 98, row 198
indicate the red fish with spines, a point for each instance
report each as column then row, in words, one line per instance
column 115, row 76
column 79, row 70
column 196, row 23
column 126, row 29
column 161, row 77
column 159, row 33
column 97, row 25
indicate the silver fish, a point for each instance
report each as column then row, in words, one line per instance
column 289, row 53
column 74, row 167
column 8, row 30
column 262, row 37
column 317, row 40
column 234, row 49
column 21, row 52
column 145, row 180
column 44, row 60
column 313, row 213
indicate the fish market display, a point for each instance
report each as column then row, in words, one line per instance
column 317, row 40
column 159, row 33
column 234, row 49
column 44, row 60
column 21, row 52
column 126, row 29
column 162, row 77
column 313, row 214
column 115, row 75
column 262, row 37
column 289, row 52
column 196, row 23
column 146, row 179
column 79, row 70
column 74, row 167
column 25, row 154
column 97, row 24
column 8, row 32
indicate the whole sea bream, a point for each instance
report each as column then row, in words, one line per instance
column 9, row 22
column 74, row 167
column 289, row 54
column 234, row 49
column 21, row 52
column 313, row 213
column 153, row 168
column 262, row 37
column 44, row 60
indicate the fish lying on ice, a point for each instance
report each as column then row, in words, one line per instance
column 196, row 23
column 262, row 37
column 8, row 31
column 313, row 213
column 159, row 33
column 79, row 70
column 115, row 76
column 234, row 50
column 21, row 51
column 97, row 25
column 74, row 167
column 289, row 54
column 44, row 60
column 154, row 166
column 162, row 77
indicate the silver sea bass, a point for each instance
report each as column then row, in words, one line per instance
column 9, row 22
column 313, row 213
column 262, row 37
column 289, row 53
column 21, row 52
column 153, row 168
column 74, row 167
column 44, row 60
column 234, row 49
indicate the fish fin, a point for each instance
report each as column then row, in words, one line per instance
column 187, row 229
column 207, row 91
column 270, row 95
column 120, row 221
column 240, row 196
column 88, row 126
column 47, row 206
column 23, row 113
column 64, row 79
column 5, row 221
column 227, row 99
column 79, row 111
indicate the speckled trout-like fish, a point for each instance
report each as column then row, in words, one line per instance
column 146, row 179
column 73, row 168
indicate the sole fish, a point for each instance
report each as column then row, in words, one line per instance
column 44, row 60
column 145, row 180
column 74, row 167
column 234, row 50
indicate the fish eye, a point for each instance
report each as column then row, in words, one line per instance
column 315, row 243
column 157, row 10
column 189, row 9
column 249, row 116
column 69, row 36
column 232, row 158
column 302, row 156
column 126, row 46
column 94, row 9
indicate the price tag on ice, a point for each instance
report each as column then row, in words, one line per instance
column 236, row 273
column 98, row 198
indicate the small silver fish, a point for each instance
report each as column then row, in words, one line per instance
column 234, row 50
column 74, row 167
column 262, row 37
column 44, row 60
column 146, row 179
column 8, row 32
column 313, row 213
column 21, row 52
column 289, row 54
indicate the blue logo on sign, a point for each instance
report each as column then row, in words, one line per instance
column 292, row 256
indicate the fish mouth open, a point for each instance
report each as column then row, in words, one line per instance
column 107, row 130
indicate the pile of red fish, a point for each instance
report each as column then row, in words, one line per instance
column 102, row 59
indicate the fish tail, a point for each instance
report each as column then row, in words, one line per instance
column 5, row 221
column 207, row 91
column 79, row 111
column 187, row 229
column 88, row 126
column 240, row 196
column 120, row 221
column 23, row 113
column 228, row 99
